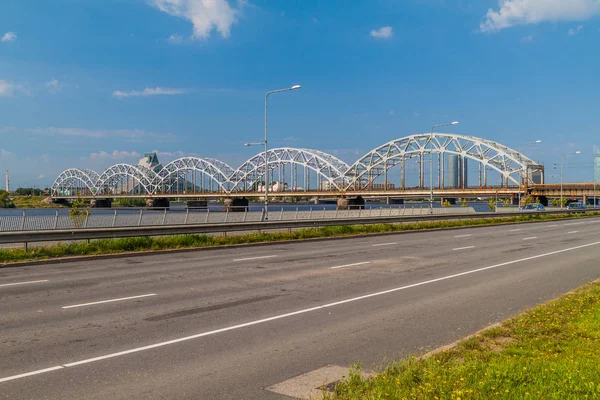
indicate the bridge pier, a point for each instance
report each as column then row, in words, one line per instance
column 100, row 203
column 348, row 204
column 158, row 203
column 235, row 204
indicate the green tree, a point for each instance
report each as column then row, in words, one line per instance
column 78, row 212
column 492, row 204
column 5, row 201
column 446, row 203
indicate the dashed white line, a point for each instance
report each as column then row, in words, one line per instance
column 515, row 230
column 463, row 236
column 111, row 300
column 294, row 313
column 253, row 258
column 574, row 223
column 569, row 233
column 39, row 371
column 530, row 238
column 552, row 226
column 351, row 265
column 463, row 248
column 23, row 283
column 385, row 244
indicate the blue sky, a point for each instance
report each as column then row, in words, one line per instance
column 89, row 83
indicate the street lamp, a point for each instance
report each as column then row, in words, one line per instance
column 265, row 144
column 562, row 156
column 431, row 162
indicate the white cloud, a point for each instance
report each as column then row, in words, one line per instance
column 9, row 37
column 53, row 86
column 385, row 32
column 573, row 32
column 9, row 88
column 525, row 12
column 173, row 154
column 125, row 134
column 205, row 15
column 175, row 38
column 527, row 39
column 149, row 92
column 115, row 155
column 42, row 176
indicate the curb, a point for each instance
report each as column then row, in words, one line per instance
column 72, row 259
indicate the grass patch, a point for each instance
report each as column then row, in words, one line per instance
column 549, row 352
column 35, row 202
column 110, row 246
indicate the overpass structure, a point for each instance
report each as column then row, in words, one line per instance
column 452, row 159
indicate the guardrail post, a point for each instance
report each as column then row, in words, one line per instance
column 296, row 215
column 281, row 214
column 56, row 220
column 164, row 217
column 336, row 213
column 226, row 214
column 245, row 214
column 87, row 216
column 141, row 214
column 114, row 219
column 310, row 213
column 323, row 212
column 23, row 221
column 207, row 212
column 187, row 213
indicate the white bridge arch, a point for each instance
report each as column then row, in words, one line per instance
column 512, row 166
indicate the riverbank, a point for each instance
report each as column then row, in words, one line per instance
column 549, row 352
column 137, row 244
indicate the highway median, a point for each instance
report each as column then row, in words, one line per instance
column 199, row 241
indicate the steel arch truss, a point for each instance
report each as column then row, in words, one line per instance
column 511, row 164
column 110, row 180
column 330, row 168
column 70, row 177
column 214, row 169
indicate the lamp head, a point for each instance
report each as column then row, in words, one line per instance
column 295, row 87
column 248, row 144
column 578, row 152
column 538, row 141
column 454, row 123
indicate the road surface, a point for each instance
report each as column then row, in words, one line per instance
column 228, row 323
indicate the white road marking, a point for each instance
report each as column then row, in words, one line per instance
column 111, row 301
column 461, row 236
column 515, row 230
column 572, row 232
column 23, row 283
column 574, row 223
column 530, row 238
column 351, row 265
column 552, row 226
column 253, row 258
column 463, row 248
column 299, row 312
column 39, row 371
column 385, row 244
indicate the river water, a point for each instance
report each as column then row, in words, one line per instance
column 215, row 207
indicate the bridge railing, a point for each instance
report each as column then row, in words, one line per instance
column 94, row 218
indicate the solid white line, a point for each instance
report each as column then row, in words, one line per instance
column 461, row 236
column 351, row 265
column 111, row 301
column 22, row 283
column 385, row 244
column 463, row 248
column 253, row 258
column 572, row 232
column 306, row 310
column 530, row 238
column 515, row 230
column 39, row 371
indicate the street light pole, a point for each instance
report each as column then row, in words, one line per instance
column 562, row 156
column 431, row 163
column 266, row 146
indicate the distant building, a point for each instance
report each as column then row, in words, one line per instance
column 596, row 164
column 150, row 161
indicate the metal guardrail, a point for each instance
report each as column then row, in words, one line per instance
column 122, row 232
column 92, row 218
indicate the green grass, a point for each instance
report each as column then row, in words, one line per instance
column 34, row 202
column 549, row 352
column 110, row 246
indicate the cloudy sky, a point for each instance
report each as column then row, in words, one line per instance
column 90, row 83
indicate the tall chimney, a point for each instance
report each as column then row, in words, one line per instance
column 7, row 182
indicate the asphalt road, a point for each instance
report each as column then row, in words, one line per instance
column 227, row 323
